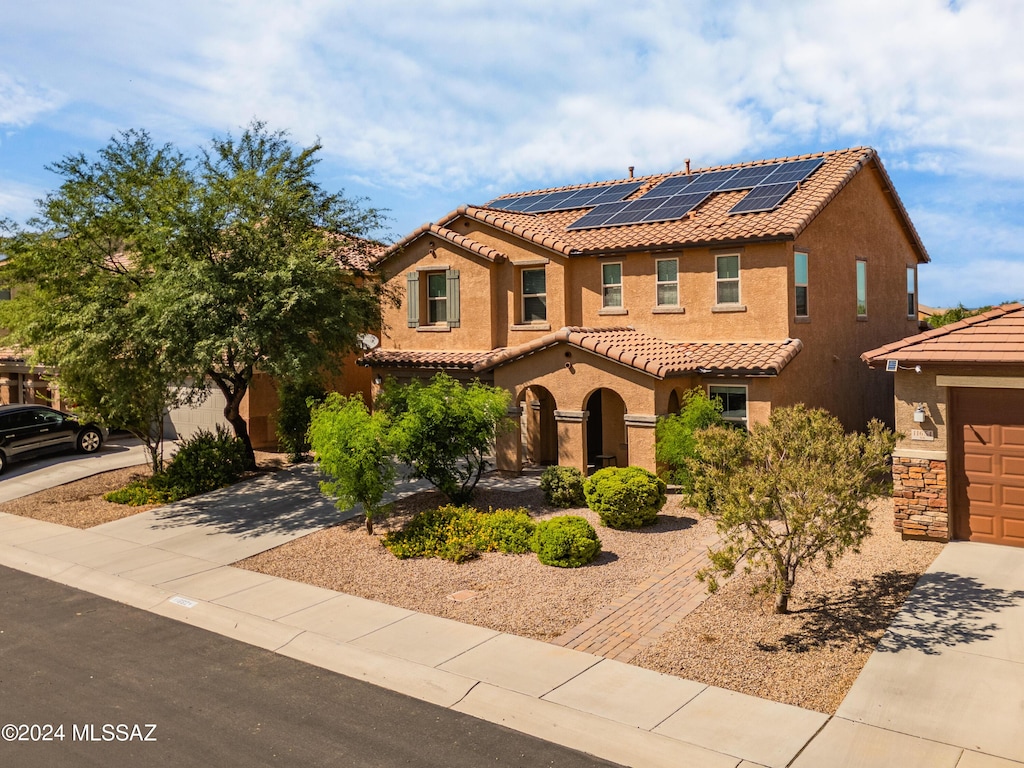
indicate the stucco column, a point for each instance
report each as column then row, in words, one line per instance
column 508, row 445
column 640, row 438
column 572, row 439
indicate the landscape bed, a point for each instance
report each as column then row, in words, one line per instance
column 808, row 658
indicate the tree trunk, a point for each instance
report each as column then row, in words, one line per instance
column 369, row 525
column 234, row 390
column 782, row 602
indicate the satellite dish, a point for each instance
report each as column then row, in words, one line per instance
column 368, row 341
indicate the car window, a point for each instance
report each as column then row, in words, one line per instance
column 20, row 419
column 48, row 417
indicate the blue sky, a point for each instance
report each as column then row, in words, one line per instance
column 424, row 106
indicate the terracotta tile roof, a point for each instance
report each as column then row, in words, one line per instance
column 996, row 336
column 415, row 358
column 658, row 357
column 12, row 355
column 451, row 236
column 709, row 224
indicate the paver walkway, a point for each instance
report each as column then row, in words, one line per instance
column 635, row 621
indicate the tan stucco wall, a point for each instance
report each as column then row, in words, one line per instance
column 762, row 294
column 858, row 224
column 475, row 330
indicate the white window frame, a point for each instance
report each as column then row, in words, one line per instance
column 658, row 283
column 912, row 293
column 431, row 302
column 720, row 281
column 862, row 288
column 798, row 285
column 737, row 421
column 605, row 304
column 524, row 296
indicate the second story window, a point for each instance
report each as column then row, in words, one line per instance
column 668, row 282
column 611, row 286
column 437, row 298
column 911, row 292
column 862, row 289
column 535, row 296
column 800, row 283
column 727, row 279
column 432, row 299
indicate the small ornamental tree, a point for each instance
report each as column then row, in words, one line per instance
column 676, row 444
column 444, row 430
column 792, row 492
column 352, row 448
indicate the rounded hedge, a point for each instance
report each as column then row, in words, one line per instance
column 566, row 542
column 563, row 487
column 625, row 497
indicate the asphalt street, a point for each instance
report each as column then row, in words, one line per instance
column 112, row 685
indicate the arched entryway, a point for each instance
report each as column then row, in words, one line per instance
column 606, row 430
column 537, row 426
column 673, row 402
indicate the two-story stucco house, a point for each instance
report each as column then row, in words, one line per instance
column 597, row 306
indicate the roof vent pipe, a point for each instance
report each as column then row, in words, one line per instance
column 631, row 171
column 687, row 161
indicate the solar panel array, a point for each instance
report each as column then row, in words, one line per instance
column 675, row 197
column 546, row 202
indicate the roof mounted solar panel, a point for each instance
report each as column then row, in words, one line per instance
column 635, row 212
column 764, row 198
column 796, row 170
column 567, row 200
column 598, row 216
column 710, row 182
column 669, row 187
column 677, row 206
column 745, row 178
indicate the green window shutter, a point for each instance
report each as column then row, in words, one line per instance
column 412, row 298
column 454, row 312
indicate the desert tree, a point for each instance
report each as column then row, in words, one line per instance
column 793, row 492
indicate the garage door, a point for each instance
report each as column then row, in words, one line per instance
column 988, row 459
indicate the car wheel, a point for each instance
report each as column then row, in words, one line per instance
column 3, row 462
column 89, row 440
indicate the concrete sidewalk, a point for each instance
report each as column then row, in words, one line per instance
column 173, row 562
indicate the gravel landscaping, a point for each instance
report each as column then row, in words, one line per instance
column 808, row 658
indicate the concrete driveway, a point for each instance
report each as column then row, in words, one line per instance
column 33, row 475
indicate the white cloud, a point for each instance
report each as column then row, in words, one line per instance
column 21, row 104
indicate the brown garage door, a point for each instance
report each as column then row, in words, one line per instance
column 988, row 461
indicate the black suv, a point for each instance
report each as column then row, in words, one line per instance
column 26, row 430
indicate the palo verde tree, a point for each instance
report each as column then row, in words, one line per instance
column 445, row 430
column 233, row 262
column 793, row 491
column 352, row 448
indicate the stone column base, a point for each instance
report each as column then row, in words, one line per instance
column 919, row 498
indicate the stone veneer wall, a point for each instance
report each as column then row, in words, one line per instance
column 919, row 497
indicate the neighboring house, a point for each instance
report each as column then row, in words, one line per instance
column 958, row 469
column 598, row 306
column 24, row 383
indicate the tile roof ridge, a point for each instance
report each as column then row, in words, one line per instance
column 488, row 216
column 489, row 253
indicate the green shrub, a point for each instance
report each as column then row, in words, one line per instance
column 461, row 533
column 625, row 497
column 505, row 530
column 138, row 493
column 293, row 414
column 676, row 446
column 563, row 487
column 566, row 542
column 205, row 462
